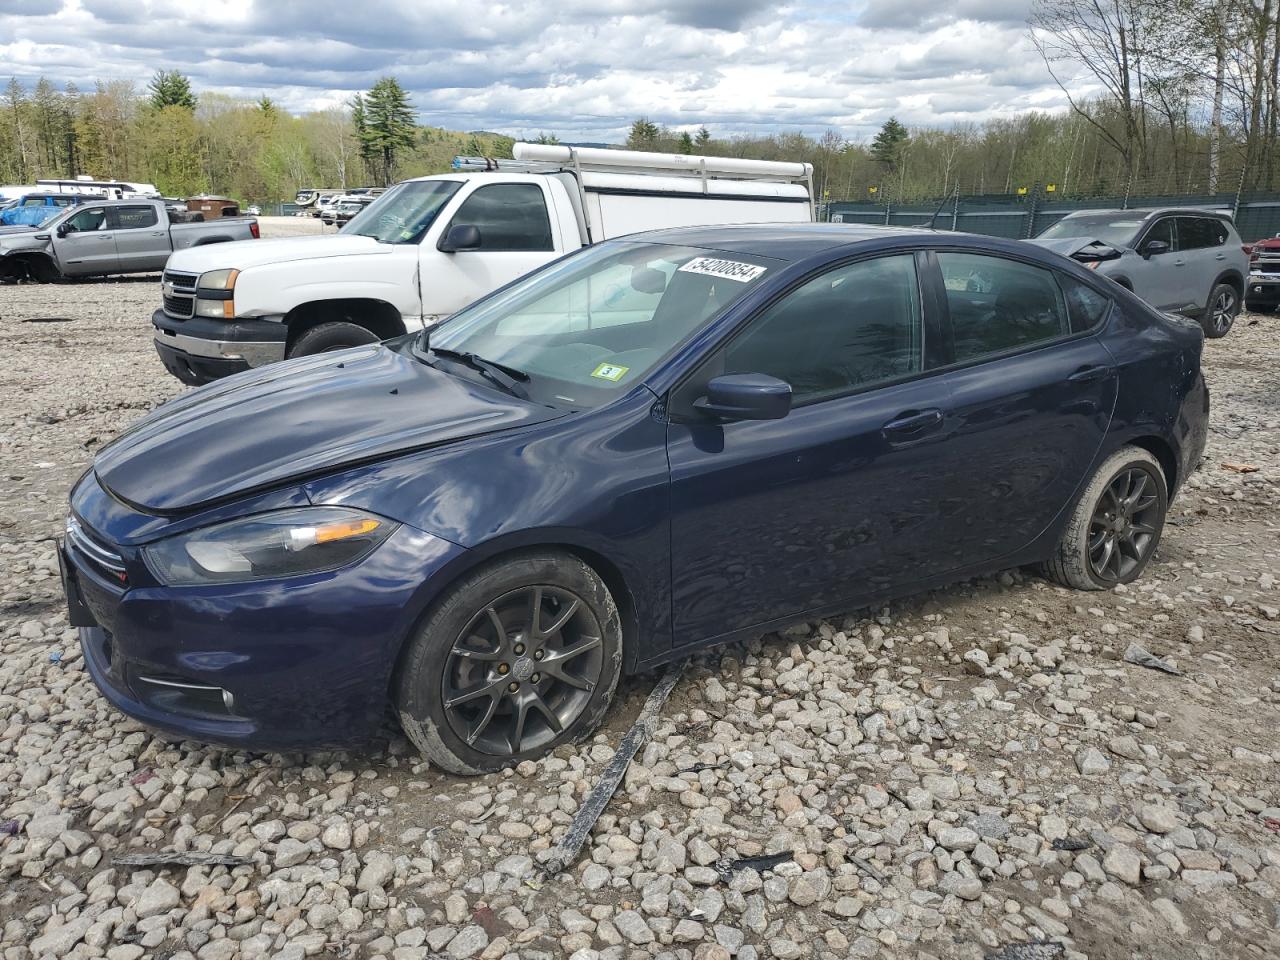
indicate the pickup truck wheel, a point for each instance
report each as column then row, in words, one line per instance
column 328, row 337
column 1220, row 314
column 515, row 660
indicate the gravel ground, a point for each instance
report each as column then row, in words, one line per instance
column 954, row 776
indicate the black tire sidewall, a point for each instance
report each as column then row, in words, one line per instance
column 1114, row 467
column 1207, row 320
column 331, row 336
column 418, row 690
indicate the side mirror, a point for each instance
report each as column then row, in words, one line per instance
column 62, row 230
column 746, row 396
column 461, row 236
column 1153, row 248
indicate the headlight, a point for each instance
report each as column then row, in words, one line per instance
column 218, row 280
column 289, row 543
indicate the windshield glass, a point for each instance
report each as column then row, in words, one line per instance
column 403, row 213
column 1110, row 228
column 590, row 326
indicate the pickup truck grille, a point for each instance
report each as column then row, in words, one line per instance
column 1265, row 265
column 178, row 292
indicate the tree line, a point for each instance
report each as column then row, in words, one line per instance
column 1166, row 97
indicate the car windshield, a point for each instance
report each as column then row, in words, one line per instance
column 404, row 213
column 590, row 326
column 1121, row 229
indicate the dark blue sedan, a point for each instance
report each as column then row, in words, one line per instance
column 648, row 447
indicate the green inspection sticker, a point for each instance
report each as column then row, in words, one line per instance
column 609, row 371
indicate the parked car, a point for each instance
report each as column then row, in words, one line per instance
column 1179, row 259
column 35, row 208
column 428, row 247
column 114, row 236
column 1263, row 290
column 654, row 445
column 344, row 210
column 253, row 210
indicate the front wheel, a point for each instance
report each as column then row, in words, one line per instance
column 1115, row 527
column 328, row 337
column 516, row 659
column 1220, row 314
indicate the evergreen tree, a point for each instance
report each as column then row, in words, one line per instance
column 703, row 137
column 889, row 143
column 169, row 88
column 686, row 142
column 385, row 125
column 267, row 107
column 643, row 135
column 547, row 138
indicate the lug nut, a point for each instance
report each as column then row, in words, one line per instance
column 503, row 668
column 513, row 687
column 537, row 677
column 538, row 655
column 519, row 648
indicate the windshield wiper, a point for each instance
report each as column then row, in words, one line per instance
column 508, row 378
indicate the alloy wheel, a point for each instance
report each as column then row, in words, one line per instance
column 1122, row 531
column 1224, row 310
column 522, row 671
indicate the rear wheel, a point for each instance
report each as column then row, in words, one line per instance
column 1116, row 526
column 1220, row 314
column 328, row 337
column 517, row 659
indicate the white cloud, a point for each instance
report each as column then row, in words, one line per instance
column 581, row 68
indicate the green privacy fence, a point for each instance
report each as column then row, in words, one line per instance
column 1019, row 217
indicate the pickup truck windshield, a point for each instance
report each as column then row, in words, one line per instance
column 403, row 213
column 1120, row 230
column 589, row 327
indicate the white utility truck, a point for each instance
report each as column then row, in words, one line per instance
column 430, row 246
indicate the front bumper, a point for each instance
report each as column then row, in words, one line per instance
column 299, row 663
column 199, row 350
column 1262, row 291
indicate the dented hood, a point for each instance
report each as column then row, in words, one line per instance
column 1084, row 249
column 294, row 420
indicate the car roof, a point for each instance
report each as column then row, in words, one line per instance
column 1146, row 213
column 792, row 241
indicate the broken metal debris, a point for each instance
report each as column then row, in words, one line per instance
column 1072, row 843
column 1140, row 656
column 727, row 868
column 180, row 860
column 566, row 851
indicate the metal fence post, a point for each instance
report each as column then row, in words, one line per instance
column 955, row 210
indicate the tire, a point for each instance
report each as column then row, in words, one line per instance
column 328, row 337
column 1221, row 311
column 463, row 710
column 1073, row 564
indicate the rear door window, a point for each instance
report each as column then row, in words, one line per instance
column 135, row 218
column 998, row 305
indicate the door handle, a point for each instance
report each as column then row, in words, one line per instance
column 1220, row 256
column 1179, row 263
column 1088, row 374
column 912, row 423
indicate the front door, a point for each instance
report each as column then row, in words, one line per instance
column 1164, row 280
column 837, row 499
column 1032, row 396
column 142, row 241
column 89, row 244
column 515, row 238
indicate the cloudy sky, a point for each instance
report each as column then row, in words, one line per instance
column 582, row 69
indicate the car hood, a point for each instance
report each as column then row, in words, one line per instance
column 295, row 420
column 1070, row 246
column 16, row 228
column 242, row 254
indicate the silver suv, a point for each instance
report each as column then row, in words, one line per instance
column 1177, row 259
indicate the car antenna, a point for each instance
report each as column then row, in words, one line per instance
column 941, row 203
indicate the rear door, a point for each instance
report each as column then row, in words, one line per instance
column 1201, row 241
column 1032, row 392
column 515, row 238
column 142, row 241
column 88, row 245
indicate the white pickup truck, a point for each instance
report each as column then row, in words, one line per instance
column 428, row 247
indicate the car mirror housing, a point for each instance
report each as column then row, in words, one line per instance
column 461, row 236
column 62, row 230
column 746, row 396
column 1153, row 248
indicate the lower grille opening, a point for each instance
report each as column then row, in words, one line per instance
column 178, row 694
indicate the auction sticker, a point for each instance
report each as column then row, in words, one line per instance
column 724, row 269
column 609, row 371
